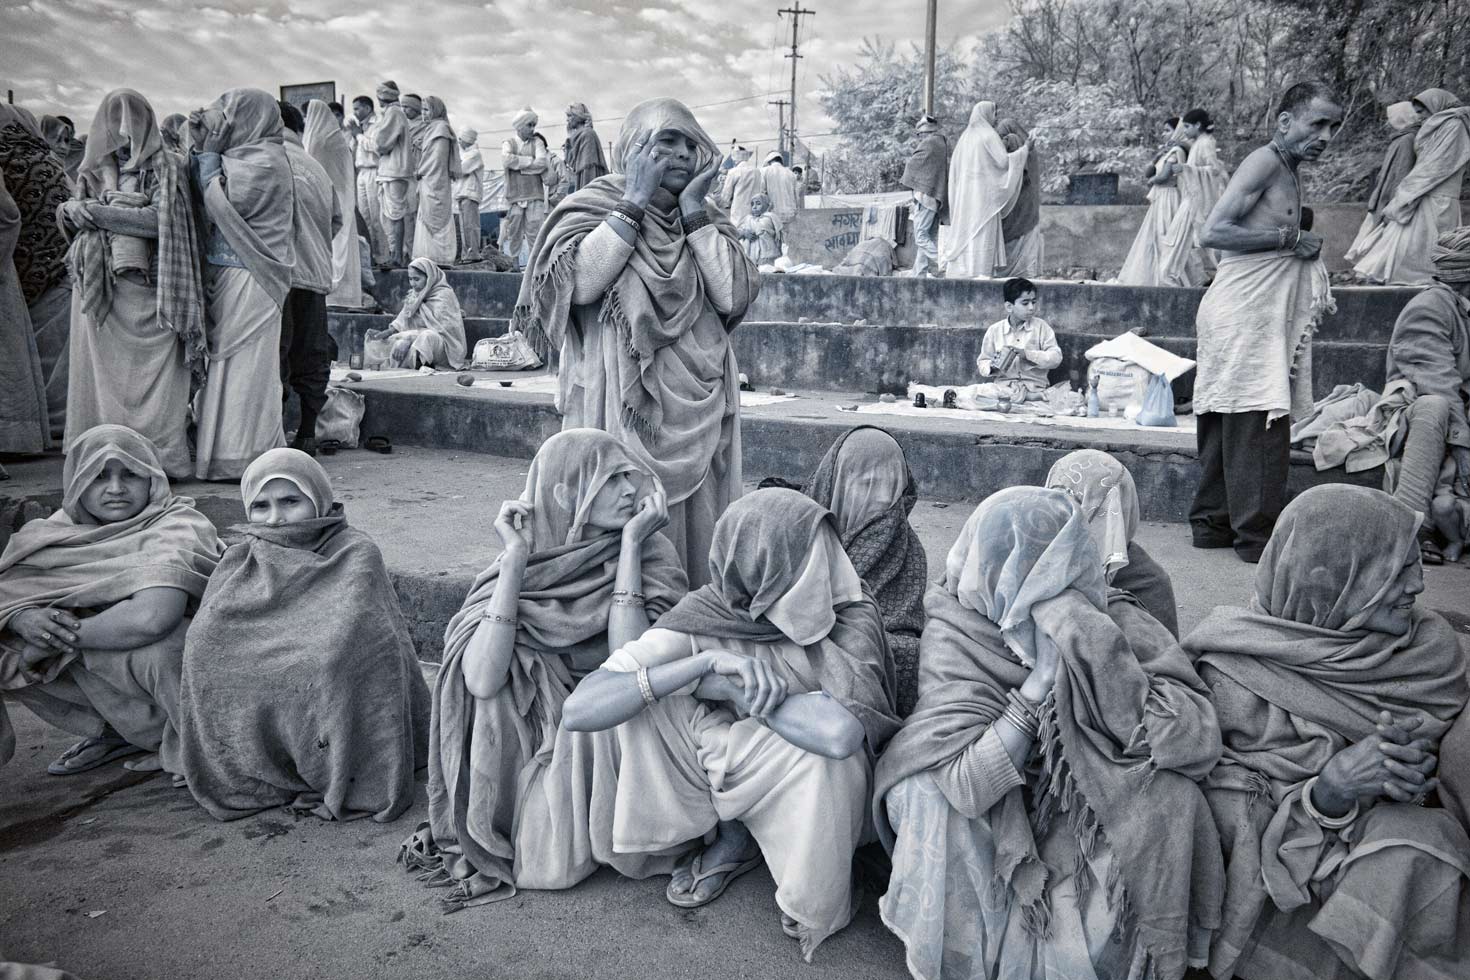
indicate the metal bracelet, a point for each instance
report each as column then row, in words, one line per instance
column 497, row 618
column 635, row 603
column 620, row 216
column 630, row 211
column 1326, row 822
column 645, row 686
column 635, row 595
column 695, row 222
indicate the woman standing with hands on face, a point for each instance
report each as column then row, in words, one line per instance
column 637, row 281
column 515, row 800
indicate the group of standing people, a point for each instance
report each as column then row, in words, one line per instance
column 987, row 190
column 761, row 200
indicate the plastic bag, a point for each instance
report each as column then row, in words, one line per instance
column 1120, row 384
column 1158, row 403
column 513, row 352
column 341, row 417
column 377, row 354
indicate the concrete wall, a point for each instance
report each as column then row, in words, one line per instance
column 1095, row 238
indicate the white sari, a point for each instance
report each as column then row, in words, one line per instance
column 984, row 182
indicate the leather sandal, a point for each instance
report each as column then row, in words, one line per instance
column 731, row 870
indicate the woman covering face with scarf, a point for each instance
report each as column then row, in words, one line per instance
column 637, row 281
column 1333, row 691
column 95, row 602
column 300, row 685
column 753, row 710
column 515, row 799
column 1104, row 493
column 429, row 330
column 1045, row 783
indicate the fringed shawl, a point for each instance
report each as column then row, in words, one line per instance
column 659, row 295
column 126, row 120
column 436, row 308
column 1125, row 733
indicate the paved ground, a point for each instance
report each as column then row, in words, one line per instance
column 180, row 895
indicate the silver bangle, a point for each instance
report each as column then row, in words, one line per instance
column 497, row 618
column 636, row 603
column 645, row 686
column 1326, row 822
column 625, row 220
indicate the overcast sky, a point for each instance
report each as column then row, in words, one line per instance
column 486, row 60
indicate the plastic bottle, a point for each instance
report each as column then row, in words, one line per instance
column 1094, row 408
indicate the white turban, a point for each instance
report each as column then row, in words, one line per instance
column 523, row 117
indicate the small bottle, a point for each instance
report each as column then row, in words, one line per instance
column 1094, row 408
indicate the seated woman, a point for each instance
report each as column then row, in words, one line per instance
column 1333, row 693
column 864, row 480
column 1040, row 803
column 429, row 330
column 753, row 710
column 515, row 801
column 300, row 685
column 95, row 602
column 1103, row 488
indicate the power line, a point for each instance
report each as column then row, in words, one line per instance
column 797, row 13
column 602, row 119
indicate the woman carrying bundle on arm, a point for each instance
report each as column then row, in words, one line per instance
column 516, row 800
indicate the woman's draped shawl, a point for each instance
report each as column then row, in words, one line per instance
column 39, row 185
column 760, row 548
column 300, row 685
column 436, row 308
column 1398, row 160
column 652, row 306
column 867, row 484
column 566, row 596
column 1441, row 150
column 253, row 204
column 1300, row 653
column 1127, row 730
column 325, row 142
column 984, row 181
column 583, row 150
column 125, row 120
column 69, row 561
column 1025, row 214
column 927, row 171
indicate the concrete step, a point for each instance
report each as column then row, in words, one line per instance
column 1365, row 314
column 953, row 457
column 349, row 329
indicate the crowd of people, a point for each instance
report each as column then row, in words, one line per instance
column 665, row 677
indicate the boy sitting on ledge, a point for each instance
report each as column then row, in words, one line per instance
column 1017, row 352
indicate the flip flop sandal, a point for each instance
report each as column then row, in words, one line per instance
column 378, row 444
column 731, row 870
column 790, row 926
column 328, row 447
column 120, row 750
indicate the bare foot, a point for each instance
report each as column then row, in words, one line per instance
column 1453, row 551
column 149, row 762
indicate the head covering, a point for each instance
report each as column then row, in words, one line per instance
column 1022, row 546
column 469, row 133
column 762, row 552
column 864, row 480
column 35, row 178
column 984, row 180
column 1025, row 213
column 657, row 297
column 387, row 91
column 523, row 117
column 1451, row 256
column 1437, row 100
column 774, row 157
column 583, row 149
column 565, row 477
column 1103, row 490
column 436, row 308
column 125, row 120
column 927, row 124
column 1401, row 115
column 412, row 101
column 295, row 467
column 174, row 129
column 253, row 206
column 577, row 112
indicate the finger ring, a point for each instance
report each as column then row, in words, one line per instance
column 45, row 636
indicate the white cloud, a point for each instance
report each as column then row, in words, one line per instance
column 485, row 59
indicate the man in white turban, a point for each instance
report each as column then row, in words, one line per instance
column 394, row 142
column 469, row 187
column 525, row 157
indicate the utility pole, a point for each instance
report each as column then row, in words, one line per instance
column 930, row 28
column 797, row 13
column 781, row 105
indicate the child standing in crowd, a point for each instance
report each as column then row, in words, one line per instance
column 1019, row 351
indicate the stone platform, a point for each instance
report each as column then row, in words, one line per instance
column 845, row 333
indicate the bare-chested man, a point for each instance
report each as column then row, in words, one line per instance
column 1254, row 329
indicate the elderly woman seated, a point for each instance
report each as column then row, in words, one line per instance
column 95, row 602
column 1103, row 488
column 516, row 800
column 1040, row 803
column 864, row 480
column 429, row 330
column 300, row 685
column 1333, row 692
column 753, row 711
